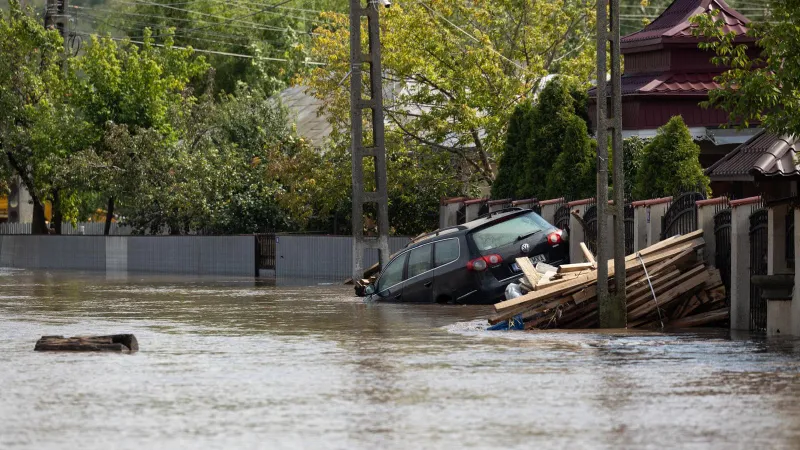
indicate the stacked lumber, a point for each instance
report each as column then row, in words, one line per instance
column 667, row 286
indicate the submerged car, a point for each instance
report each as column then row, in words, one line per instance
column 470, row 263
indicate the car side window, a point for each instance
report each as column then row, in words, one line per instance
column 419, row 261
column 446, row 252
column 393, row 273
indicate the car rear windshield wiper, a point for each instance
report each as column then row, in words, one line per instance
column 523, row 236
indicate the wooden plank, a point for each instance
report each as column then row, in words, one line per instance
column 587, row 254
column 647, row 296
column 592, row 277
column 530, row 272
column 667, row 297
column 701, row 319
column 575, row 267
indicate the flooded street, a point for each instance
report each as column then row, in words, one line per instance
column 231, row 364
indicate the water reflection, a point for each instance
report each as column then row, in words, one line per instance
column 232, row 363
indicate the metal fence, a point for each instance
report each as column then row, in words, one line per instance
column 562, row 217
column 722, row 249
column 590, row 224
column 790, row 238
column 322, row 258
column 86, row 228
column 681, row 216
column 759, row 221
column 265, row 245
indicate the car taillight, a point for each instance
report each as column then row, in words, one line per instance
column 482, row 263
column 555, row 238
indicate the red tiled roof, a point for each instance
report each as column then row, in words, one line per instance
column 765, row 154
column 674, row 24
column 667, row 84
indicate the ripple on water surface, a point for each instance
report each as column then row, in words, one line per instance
column 235, row 364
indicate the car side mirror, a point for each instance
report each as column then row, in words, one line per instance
column 369, row 290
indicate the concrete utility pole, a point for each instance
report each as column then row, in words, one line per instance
column 55, row 15
column 612, row 309
column 360, row 150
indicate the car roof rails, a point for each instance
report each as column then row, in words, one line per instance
column 509, row 209
column 438, row 232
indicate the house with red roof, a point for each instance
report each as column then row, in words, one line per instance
column 666, row 74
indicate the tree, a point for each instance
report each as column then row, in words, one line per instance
column 140, row 89
column 31, row 104
column 550, row 151
column 670, row 164
column 574, row 173
column 457, row 70
column 759, row 87
column 510, row 174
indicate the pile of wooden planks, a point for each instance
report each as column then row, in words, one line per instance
column 667, row 286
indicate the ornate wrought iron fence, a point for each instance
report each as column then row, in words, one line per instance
column 681, row 216
column 790, row 237
column 629, row 225
column 759, row 220
column 562, row 217
column 722, row 257
column 590, row 231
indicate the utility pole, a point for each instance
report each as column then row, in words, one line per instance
column 375, row 149
column 56, row 17
column 612, row 309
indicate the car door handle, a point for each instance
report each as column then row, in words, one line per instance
column 428, row 284
column 397, row 297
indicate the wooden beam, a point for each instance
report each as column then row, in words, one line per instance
column 587, row 254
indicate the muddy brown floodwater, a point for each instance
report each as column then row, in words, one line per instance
column 230, row 364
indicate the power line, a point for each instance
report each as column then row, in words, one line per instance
column 214, row 52
column 178, row 30
column 243, row 16
column 252, row 24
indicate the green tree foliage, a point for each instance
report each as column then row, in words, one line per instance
column 457, row 70
column 273, row 39
column 573, row 174
column 670, row 164
column 550, row 151
column 760, row 88
column 31, row 105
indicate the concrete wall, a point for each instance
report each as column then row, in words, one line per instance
column 89, row 228
column 324, row 258
column 191, row 255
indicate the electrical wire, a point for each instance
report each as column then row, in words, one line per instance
column 231, row 19
column 214, row 52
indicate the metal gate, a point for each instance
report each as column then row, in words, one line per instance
column 265, row 248
column 790, row 238
column 590, row 228
column 681, row 217
column 722, row 257
column 461, row 214
column 629, row 224
column 536, row 207
column 561, row 217
column 759, row 220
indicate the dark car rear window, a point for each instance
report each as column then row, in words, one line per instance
column 506, row 232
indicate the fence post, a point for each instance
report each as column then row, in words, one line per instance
column 776, row 240
column 448, row 211
column 497, row 205
column 549, row 208
column 639, row 225
column 657, row 207
column 576, row 232
column 705, row 221
column 740, row 262
column 473, row 208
